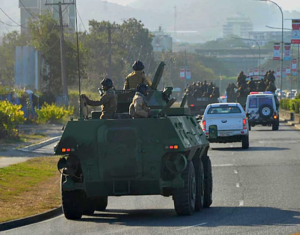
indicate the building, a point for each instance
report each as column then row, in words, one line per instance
column 33, row 7
column 162, row 42
column 237, row 26
column 264, row 37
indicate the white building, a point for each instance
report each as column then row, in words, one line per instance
column 237, row 26
column 162, row 42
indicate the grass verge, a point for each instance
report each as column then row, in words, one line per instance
column 29, row 188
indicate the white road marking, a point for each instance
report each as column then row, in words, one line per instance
column 236, row 171
column 237, row 185
column 196, row 225
column 222, row 165
column 241, row 203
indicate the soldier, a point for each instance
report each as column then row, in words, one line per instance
column 261, row 86
column 271, row 87
column 138, row 108
column 108, row 100
column 241, row 79
column 271, row 77
column 210, row 88
column 136, row 77
column 251, row 85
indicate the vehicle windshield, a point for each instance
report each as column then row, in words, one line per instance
column 224, row 110
column 255, row 102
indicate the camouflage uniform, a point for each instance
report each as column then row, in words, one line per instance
column 271, row 87
column 108, row 102
column 134, row 79
column 138, row 108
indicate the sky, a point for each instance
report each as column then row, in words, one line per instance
column 285, row 4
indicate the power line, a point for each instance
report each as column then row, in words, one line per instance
column 9, row 24
column 11, row 18
column 80, row 18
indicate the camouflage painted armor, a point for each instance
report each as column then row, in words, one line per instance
column 134, row 79
column 138, row 108
column 108, row 102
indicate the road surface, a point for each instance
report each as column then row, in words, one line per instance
column 256, row 191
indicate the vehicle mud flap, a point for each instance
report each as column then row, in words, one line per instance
column 121, row 188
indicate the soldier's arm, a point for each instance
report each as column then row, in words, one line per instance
column 138, row 104
column 148, row 82
column 102, row 100
column 126, row 85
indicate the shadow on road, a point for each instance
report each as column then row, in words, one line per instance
column 261, row 148
column 213, row 217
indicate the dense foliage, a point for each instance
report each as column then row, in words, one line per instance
column 290, row 105
column 10, row 116
column 52, row 113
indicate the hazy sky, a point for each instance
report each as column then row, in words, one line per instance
column 285, row 4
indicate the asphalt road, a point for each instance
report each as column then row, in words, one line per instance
column 256, row 191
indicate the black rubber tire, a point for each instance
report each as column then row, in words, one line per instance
column 245, row 141
column 208, row 181
column 89, row 207
column 249, row 127
column 72, row 203
column 100, row 203
column 184, row 198
column 261, row 114
column 200, row 187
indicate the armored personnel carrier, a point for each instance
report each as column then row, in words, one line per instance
column 162, row 155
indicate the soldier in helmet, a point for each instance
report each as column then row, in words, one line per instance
column 136, row 77
column 108, row 100
column 138, row 108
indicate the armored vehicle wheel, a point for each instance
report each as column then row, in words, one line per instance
column 72, row 202
column 245, row 141
column 100, row 203
column 200, row 187
column 185, row 198
column 89, row 207
column 208, row 181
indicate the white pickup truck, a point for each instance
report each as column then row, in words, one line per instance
column 231, row 122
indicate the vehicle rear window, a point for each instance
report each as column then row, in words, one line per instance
column 224, row 110
column 265, row 100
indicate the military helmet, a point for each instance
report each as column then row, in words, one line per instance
column 142, row 88
column 138, row 66
column 106, row 82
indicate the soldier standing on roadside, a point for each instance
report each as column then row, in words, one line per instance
column 136, row 77
column 108, row 100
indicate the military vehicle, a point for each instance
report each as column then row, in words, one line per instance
column 162, row 155
column 198, row 105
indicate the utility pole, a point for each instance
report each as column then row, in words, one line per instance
column 62, row 50
column 185, row 68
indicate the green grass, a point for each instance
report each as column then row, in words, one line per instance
column 26, row 188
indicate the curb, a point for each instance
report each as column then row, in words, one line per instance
column 30, row 148
column 291, row 123
column 31, row 219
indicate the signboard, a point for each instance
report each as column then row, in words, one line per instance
column 188, row 74
column 250, row 72
column 284, row 72
column 294, row 67
column 296, row 32
column 278, row 74
column 256, row 72
column 288, row 70
column 287, row 52
column 182, row 73
column 262, row 71
column 276, row 51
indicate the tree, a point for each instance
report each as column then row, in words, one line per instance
column 45, row 37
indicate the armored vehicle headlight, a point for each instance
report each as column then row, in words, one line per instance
column 176, row 163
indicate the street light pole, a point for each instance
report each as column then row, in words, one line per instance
column 281, row 39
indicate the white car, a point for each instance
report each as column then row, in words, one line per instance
column 231, row 122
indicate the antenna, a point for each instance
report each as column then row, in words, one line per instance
column 78, row 65
column 175, row 21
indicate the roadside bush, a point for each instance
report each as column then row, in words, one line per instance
column 290, row 105
column 285, row 104
column 10, row 116
column 52, row 113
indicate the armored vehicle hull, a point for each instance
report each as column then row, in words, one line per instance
column 163, row 155
column 198, row 105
